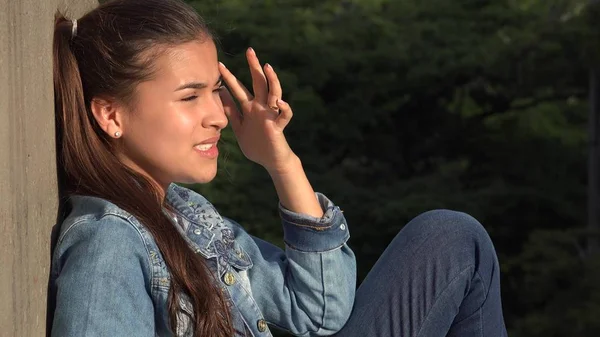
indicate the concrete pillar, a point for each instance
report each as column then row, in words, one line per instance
column 28, row 191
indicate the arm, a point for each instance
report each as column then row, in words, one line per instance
column 102, row 285
column 294, row 190
column 309, row 288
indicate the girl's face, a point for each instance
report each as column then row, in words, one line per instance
column 172, row 131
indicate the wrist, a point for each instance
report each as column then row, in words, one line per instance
column 293, row 188
column 290, row 166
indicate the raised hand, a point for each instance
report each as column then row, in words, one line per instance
column 259, row 127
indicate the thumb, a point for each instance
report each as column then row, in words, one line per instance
column 231, row 110
column 285, row 114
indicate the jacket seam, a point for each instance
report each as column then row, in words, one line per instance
column 324, row 293
column 316, row 251
column 73, row 225
column 141, row 236
column 319, row 228
column 128, row 220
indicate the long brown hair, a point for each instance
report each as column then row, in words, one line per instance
column 112, row 51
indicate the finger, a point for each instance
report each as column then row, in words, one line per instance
column 285, row 115
column 231, row 110
column 275, row 91
column 259, row 81
column 237, row 88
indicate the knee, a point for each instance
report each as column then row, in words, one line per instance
column 443, row 219
column 446, row 229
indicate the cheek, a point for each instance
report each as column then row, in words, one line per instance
column 174, row 137
column 165, row 134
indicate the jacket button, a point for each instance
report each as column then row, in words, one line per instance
column 197, row 231
column 262, row 325
column 229, row 278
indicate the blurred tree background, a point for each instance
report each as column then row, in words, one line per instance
column 402, row 106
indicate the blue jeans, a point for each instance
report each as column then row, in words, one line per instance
column 438, row 277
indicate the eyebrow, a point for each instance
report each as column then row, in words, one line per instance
column 197, row 85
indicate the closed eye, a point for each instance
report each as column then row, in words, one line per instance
column 193, row 97
column 190, row 98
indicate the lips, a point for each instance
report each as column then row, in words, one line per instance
column 208, row 148
column 212, row 140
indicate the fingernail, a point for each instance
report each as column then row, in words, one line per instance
column 221, row 63
column 251, row 50
column 269, row 66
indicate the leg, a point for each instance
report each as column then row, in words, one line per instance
column 438, row 277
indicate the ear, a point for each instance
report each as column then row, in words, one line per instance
column 110, row 116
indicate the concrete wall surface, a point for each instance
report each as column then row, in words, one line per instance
column 28, row 188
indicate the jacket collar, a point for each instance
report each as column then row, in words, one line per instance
column 192, row 206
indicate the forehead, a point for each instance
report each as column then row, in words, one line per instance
column 191, row 61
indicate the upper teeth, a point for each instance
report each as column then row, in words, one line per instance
column 204, row 147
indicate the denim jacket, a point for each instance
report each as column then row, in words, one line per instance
column 108, row 277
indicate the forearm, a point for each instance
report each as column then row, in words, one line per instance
column 312, row 290
column 294, row 190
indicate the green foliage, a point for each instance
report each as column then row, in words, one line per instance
column 405, row 106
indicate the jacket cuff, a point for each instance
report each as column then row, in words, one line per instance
column 310, row 234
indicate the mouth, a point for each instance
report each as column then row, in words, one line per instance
column 208, row 148
column 205, row 147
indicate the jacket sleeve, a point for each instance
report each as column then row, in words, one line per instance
column 102, row 282
column 309, row 288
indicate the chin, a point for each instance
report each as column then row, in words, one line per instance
column 204, row 180
column 202, row 177
column 201, row 174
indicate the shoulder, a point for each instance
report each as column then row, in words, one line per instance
column 96, row 217
column 99, row 230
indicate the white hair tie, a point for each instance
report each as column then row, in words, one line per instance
column 74, row 28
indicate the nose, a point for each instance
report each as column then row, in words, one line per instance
column 215, row 114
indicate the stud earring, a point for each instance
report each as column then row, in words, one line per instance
column 117, row 134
